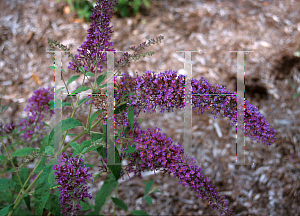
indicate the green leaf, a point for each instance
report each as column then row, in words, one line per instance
column 53, row 161
column 58, row 104
column 24, row 151
column 2, row 158
column 82, row 101
column 3, row 108
column 131, row 149
column 139, row 212
column 146, row 3
column 107, row 84
column 44, row 143
column 95, row 137
column 103, row 193
column 53, row 67
column 100, row 79
column 94, row 63
column 40, row 166
column 49, row 150
column 120, row 109
column 53, row 204
column 85, row 206
column 90, row 74
column 120, row 104
column 58, row 90
column 154, row 190
column 118, row 202
column 27, row 202
column 127, row 129
column 22, row 212
column 296, row 95
column 148, row 199
column 66, row 124
column 24, row 174
column 93, row 214
column 97, row 175
column 92, row 119
column 6, row 210
column 51, row 178
column 148, row 186
column 81, row 68
column 128, row 95
column 80, row 89
column 104, row 132
column 42, row 191
column 89, row 165
column 84, row 144
column 130, row 117
column 102, row 151
column 6, row 196
column 45, row 124
column 72, row 79
column 115, row 169
column 76, row 148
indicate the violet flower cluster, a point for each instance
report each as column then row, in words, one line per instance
column 155, row 151
column 98, row 38
column 37, row 108
column 71, row 176
column 6, row 129
column 166, row 90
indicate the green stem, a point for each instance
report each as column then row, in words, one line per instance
column 12, row 163
column 32, row 192
column 67, row 91
column 71, row 117
column 81, row 134
column 116, row 194
column 17, row 201
column 93, row 88
column 29, row 177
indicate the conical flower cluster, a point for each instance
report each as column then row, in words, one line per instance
column 72, row 177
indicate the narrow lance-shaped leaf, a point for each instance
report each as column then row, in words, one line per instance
column 72, row 79
column 120, row 203
column 42, row 191
column 103, row 194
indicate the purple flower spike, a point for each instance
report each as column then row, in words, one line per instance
column 72, row 178
column 36, row 109
column 155, row 151
column 166, row 90
column 98, row 37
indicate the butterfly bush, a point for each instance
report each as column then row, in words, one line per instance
column 72, row 176
column 166, row 90
column 36, row 110
column 155, row 151
column 98, row 38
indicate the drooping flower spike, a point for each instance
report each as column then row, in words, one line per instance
column 166, row 90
